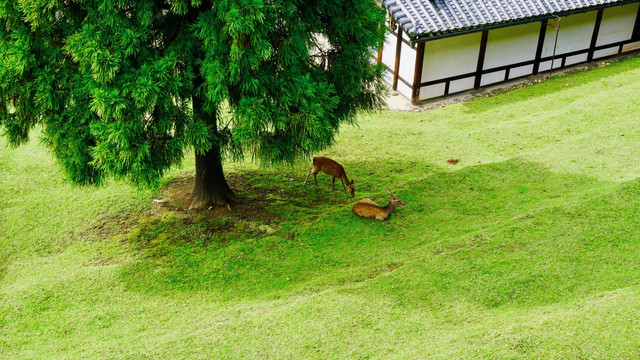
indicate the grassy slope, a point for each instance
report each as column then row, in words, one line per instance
column 527, row 248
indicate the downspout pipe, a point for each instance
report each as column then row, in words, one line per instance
column 555, row 43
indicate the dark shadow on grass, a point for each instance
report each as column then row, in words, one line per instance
column 308, row 239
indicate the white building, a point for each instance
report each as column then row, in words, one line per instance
column 435, row 48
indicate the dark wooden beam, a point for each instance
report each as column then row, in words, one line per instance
column 543, row 32
column 483, row 50
column 594, row 36
column 635, row 35
column 396, row 68
column 381, row 46
column 417, row 73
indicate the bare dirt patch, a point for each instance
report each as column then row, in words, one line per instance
column 172, row 206
column 177, row 196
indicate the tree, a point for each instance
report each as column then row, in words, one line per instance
column 123, row 88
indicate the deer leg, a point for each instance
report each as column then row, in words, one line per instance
column 308, row 174
column 315, row 178
column 343, row 187
column 333, row 183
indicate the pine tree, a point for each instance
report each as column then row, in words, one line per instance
column 124, row 88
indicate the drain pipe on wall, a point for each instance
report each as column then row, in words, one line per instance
column 557, row 27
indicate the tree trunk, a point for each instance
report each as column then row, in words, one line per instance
column 211, row 188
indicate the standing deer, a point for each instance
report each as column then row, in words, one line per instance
column 332, row 168
column 367, row 208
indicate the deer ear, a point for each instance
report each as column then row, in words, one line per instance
column 389, row 192
column 352, row 181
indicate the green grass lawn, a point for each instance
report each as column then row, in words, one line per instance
column 529, row 247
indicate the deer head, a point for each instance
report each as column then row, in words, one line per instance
column 394, row 201
column 352, row 189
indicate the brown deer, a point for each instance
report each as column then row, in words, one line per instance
column 332, row 168
column 367, row 208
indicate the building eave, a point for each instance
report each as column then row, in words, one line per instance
column 416, row 38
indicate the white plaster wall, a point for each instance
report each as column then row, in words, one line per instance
column 388, row 76
column 631, row 47
column 575, row 34
column 617, row 25
column 510, row 45
column 407, row 61
column 605, row 52
column 492, row 78
column 449, row 57
column 428, row 92
column 574, row 59
column 521, row 71
column 461, row 85
column 546, row 65
column 389, row 50
column 404, row 90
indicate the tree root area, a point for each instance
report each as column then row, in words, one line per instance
column 177, row 196
column 206, row 201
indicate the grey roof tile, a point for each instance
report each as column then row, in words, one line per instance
column 433, row 17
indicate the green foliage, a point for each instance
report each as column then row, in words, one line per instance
column 112, row 82
column 525, row 249
column 265, row 60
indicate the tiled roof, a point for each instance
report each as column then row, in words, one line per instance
column 434, row 17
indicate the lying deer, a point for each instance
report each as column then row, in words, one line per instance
column 332, row 168
column 367, row 208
